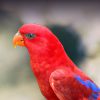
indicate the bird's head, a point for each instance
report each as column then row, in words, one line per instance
column 36, row 38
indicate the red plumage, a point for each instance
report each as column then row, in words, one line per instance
column 57, row 76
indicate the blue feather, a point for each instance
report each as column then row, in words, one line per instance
column 89, row 84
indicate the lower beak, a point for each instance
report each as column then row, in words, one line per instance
column 18, row 40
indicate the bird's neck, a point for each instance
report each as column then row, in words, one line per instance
column 49, row 56
column 49, row 61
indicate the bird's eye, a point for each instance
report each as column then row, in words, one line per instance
column 30, row 35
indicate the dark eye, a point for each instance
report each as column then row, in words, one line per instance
column 30, row 35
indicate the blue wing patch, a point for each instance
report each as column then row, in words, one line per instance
column 89, row 84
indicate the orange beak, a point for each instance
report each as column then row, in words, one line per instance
column 18, row 40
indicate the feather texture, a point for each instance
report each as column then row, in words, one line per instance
column 58, row 77
column 73, row 85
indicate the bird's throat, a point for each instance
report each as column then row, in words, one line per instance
column 45, row 64
column 48, row 59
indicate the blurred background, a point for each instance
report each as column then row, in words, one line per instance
column 76, row 24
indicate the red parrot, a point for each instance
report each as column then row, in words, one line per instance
column 57, row 76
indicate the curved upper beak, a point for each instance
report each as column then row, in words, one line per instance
column 18, row 40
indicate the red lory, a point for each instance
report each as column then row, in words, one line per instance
column 57, row 76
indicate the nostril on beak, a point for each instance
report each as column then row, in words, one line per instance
column 21, row 40
column 18, row 40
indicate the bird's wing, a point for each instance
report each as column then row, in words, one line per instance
column 70, row 86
